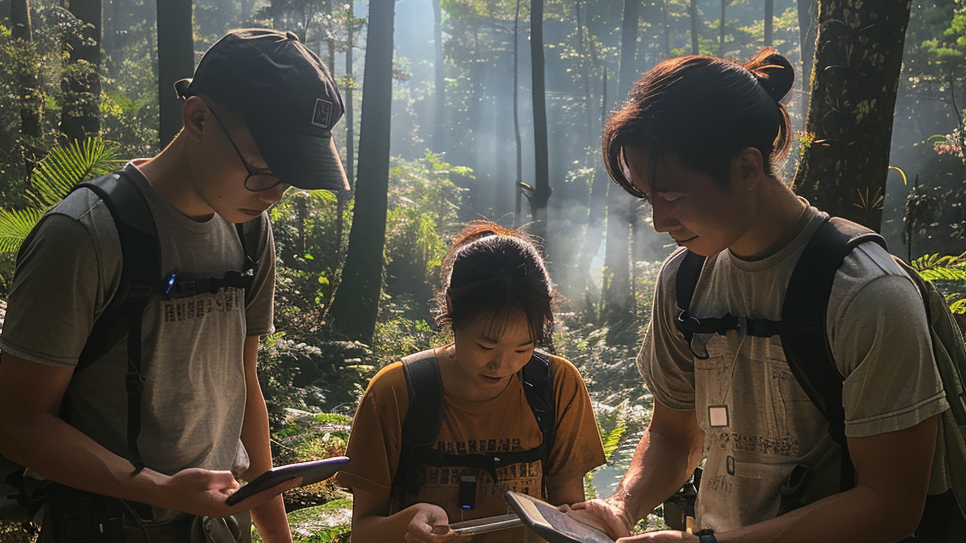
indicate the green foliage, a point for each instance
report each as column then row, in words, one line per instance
column 326, row 523
column 52, row 180
column 949, row 273
column 315, row 375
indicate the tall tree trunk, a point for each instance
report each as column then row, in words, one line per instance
column 665, row 31
column 594, row 232
column 350, row 133
column 518, row 185
column 20, row 20
column 695, row 23
column 82, row 85
column 541, row 155
column 176, row 60
column 30, row 103
column 439, row 134
column 721, row 29
column 769, row 21
column 616, row 299
column 584, row 69
column 356, row 303
column 850, row 111
column 807, row 20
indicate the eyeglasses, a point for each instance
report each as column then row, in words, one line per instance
column 259, row 179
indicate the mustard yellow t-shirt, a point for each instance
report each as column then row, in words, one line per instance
column 505, row 423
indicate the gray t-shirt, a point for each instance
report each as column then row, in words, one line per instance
column 757, row 420
column 192, row 347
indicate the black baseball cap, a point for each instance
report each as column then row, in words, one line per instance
column 287, row 98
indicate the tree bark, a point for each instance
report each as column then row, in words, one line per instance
column 82, row 84
column 807, row 11
column 857, row 62
column 176, row 60
column 541, row 155
column 356, row 303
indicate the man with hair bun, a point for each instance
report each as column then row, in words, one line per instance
column 700, row 139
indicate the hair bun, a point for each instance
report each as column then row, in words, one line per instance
column 773, row 72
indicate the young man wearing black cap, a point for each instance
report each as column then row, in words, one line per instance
column 257, row 119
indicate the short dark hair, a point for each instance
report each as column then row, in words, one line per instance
column 704, row 110
column 493, row 272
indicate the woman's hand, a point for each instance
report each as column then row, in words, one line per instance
column 606, row 515
column 430, row 524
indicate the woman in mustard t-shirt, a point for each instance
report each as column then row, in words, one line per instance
column 509, row 417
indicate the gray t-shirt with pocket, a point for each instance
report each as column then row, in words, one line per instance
column 757, row 420
column 192, row 347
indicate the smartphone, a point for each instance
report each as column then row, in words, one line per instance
column 310, row 472
column 486, row 524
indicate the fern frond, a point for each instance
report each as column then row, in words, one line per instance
column 613, row 438
column 944, row 268
column 15, row 225
column 68, row 165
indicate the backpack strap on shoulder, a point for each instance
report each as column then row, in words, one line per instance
column 424, row 416
column 140, row 279
column 424, row 385
column 804, row 317
column 538, row 388
column 686, row 280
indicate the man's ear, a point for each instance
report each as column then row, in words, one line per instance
column 449, row 305
column 194, row 113
column 748, row 168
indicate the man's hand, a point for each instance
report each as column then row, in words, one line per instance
column 430, row 524
column 203, row 492
column 665, row 536
column 607, row 515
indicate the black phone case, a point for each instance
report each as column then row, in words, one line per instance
column 310, row 472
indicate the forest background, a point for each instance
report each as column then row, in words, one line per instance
column 485, row 109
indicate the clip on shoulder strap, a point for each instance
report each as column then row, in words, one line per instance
column 804, row 330
column 140, row 277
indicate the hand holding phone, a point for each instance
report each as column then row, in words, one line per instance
column 310, row 472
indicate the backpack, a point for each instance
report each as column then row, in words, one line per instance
column 806, row 346
column 424, row 417
column 23, row 492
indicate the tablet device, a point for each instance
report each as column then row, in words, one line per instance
column 486, row 524
column 310, row 472
column 550, row 523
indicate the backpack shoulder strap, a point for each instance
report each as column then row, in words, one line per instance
column 804, row 316
column 686, row 280
column 140, row 279
column 538, row 389
column 425, row 389
column 140, row 264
